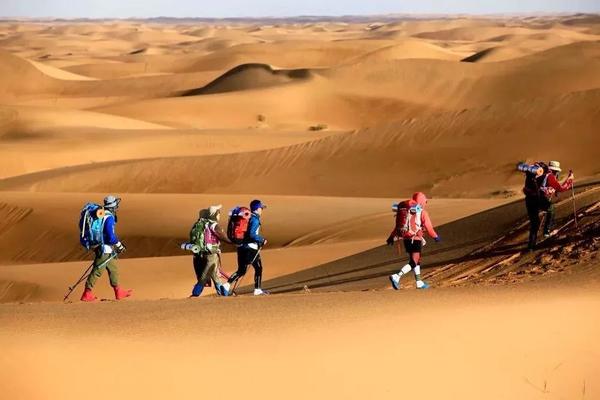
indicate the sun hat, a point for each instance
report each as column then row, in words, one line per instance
column 111, row 201
column 554, row 166
column 214, row 210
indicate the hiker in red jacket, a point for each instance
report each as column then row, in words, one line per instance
column 411, row 218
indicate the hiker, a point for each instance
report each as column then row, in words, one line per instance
column 207, row 235
column 541, row 186
column 106, row 250
column 411, row 217
column 248, row 251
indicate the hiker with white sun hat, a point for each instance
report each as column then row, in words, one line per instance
column 541, row 186
column 205, row 238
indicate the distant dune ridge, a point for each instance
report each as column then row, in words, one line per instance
column 329, row 121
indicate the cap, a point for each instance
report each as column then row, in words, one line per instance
column 256, row 204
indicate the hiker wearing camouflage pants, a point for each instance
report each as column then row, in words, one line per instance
column 207, row 235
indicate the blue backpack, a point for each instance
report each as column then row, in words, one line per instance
column 91, row 226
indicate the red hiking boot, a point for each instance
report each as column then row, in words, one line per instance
column 88, row 295
column 122, row 293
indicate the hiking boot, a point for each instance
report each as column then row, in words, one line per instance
column 395, row 279
column 422, row 285
column 260, row 292
column 197, row 290
column 88, row 295
column 224, row 289
column 122, row 293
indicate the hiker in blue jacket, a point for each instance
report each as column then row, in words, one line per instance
column 105, row 254
column 248, row 253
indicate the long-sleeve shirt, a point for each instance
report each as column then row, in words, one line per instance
column 110, row 234
column 553, row 182
column 253, row 238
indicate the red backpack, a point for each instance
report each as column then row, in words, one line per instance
column 408, row 219
column 238, row 224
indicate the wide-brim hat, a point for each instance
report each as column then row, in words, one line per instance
column 214, row 210
column 554, row 166
column 111, row 201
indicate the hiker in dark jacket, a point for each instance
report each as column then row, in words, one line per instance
column 248, row 253
column 541, row 186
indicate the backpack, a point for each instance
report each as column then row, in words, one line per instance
column 91, row 226
column 408, row 219
column 536, row 180
column 546, row 191
column 197, row 234
column 202, row 236
column 237, row 226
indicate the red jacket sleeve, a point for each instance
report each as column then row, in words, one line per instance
column 556, row 185
column 426, row 222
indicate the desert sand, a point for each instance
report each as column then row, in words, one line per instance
column 329, row 123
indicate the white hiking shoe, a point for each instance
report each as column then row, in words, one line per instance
column 422, row 285
column 395, row 279
column 260, row 292
column 224, row 289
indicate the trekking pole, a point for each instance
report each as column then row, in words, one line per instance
column 81, row 279
column 256, row 255
column 398, row 248
column 85, row 275
column 221, row 272
column 238, row 281
column 574, row 207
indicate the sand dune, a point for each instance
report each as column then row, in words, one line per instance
column 389, row 90
column 464, row 85
column 308, row 103
column 32, row 80
column 93, row 144
column 329, row 162
column 57, row 73
column 407, row 49
column 329, row 122
column 250, row 76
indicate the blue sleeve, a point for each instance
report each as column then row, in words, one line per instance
column 253, row 231
column 110, row 236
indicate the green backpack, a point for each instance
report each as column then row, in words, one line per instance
column 197, row 235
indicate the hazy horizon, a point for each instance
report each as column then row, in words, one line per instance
column 95, row 9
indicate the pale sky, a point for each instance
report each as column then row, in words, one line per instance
column 279, row 8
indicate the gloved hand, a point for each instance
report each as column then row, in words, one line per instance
column 120, row 247
column 390, row 241
column 437, row 239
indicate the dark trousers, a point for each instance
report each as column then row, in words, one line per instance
column 413, row 248
column 246, row 257
column 534, row 205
